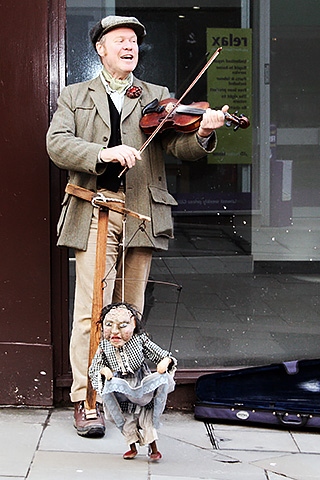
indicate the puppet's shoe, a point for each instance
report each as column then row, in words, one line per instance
column 155, row 456
column 88, row 425
column 130, row 454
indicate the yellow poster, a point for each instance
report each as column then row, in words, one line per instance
column 229, row 81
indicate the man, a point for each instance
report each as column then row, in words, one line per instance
column 94, row 135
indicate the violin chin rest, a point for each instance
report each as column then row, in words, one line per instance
column 152, row 107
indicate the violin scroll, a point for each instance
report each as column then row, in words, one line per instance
column 240, row 121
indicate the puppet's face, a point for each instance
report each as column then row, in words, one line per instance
column 118, row 326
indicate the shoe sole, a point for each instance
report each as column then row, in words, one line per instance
column 92, row 432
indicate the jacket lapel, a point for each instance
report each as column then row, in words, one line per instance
column 99, row 97
column 130, row 103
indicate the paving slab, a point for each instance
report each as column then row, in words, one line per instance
column 86, row 466
column 308, row 442
column 11, row 478
column 298, row 466
column 190, row 462
column 20, row 432
column 60, row 435
column 254, row 439
column 275, row 476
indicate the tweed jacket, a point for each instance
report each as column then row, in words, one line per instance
column 81, row 127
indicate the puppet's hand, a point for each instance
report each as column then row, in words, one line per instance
column 106, row 372
column 163, row 365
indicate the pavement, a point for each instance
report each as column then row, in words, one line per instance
column 42, row 444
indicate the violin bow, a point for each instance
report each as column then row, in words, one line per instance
column 192, row 84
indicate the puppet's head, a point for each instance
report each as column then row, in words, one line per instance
column 120, row 321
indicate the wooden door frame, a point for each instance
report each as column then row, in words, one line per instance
column 59, row 256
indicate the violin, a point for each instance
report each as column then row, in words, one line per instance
column 182, row 118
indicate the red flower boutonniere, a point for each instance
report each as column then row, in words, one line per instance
column 134, row 92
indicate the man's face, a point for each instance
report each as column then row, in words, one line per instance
column 118, row 326
column 119, row 52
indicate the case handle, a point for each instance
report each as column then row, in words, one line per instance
column 287, row 419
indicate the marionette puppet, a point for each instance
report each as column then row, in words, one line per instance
column 133, row 397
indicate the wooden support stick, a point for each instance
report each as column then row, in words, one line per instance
column 97, row 302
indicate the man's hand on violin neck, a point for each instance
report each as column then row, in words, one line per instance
column 123, row 154
column 211, row 120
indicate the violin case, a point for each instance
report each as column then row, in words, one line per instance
column 283, row 394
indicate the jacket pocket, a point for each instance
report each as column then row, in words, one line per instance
column 161, row 203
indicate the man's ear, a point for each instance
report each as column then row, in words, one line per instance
column 100, row 49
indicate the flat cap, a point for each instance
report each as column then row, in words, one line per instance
column 115, row 21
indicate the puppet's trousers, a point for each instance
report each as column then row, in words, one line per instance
column 138, row 427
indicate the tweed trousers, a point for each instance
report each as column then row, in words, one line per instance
column 137, row 262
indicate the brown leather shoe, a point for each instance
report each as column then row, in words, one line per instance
column 88, row 427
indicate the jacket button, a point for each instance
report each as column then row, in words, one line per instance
column 105, row 139
column 159, row 178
